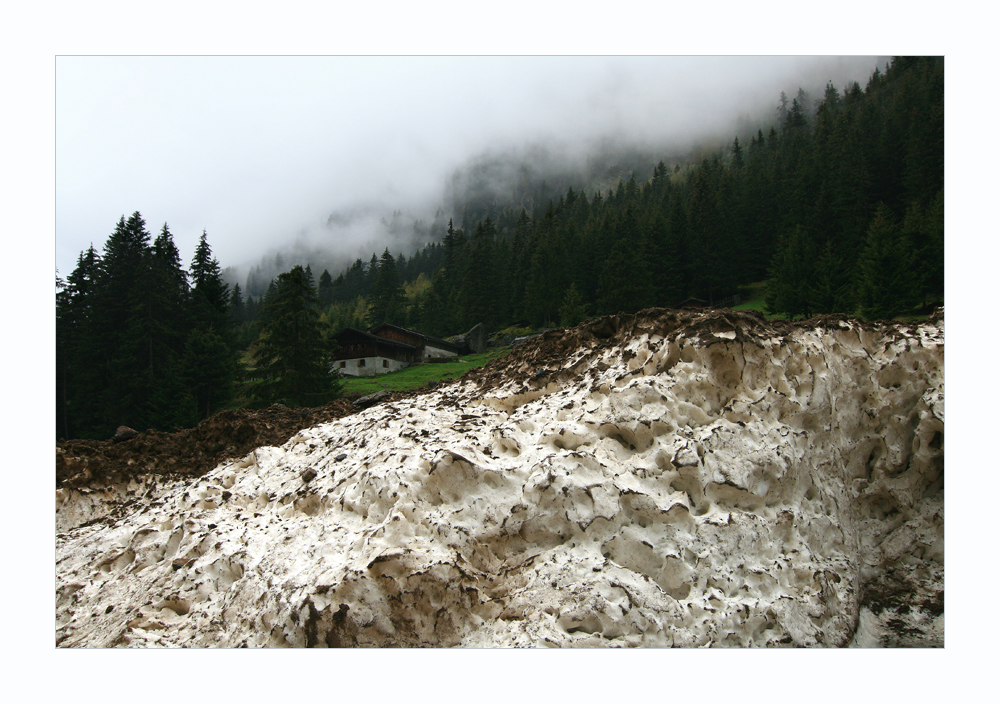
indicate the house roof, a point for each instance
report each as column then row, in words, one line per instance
column 352, row 333
column 428, row 339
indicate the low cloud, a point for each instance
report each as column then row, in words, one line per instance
column 271, row 154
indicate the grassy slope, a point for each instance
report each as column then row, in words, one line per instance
column 755, row 300
column 753, row 304
column 420, row 374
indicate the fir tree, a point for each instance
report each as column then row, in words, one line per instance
column 737, row 152
column 293, row 352
column 209, row 370
column 237, row 305
column 209, row 361
column 387, row 299
column 624, row 285
column 78, row 352
column 169, row 291
column 165, row 313
column 792, row 273
column 572, row 311
column 480, row 280
column 830, row 286
column 887, row 283
column 124, row 323
column 210, row 295
column 326, row 288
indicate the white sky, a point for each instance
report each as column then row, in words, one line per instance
column 260, row 150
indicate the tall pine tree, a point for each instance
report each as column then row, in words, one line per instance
column 210, row 365
column 887, row 281
column 293, row 354
column 387, row 299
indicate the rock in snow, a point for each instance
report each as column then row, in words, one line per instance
column 670, row 478
column 123, row 433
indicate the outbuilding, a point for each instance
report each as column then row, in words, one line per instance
column 387, row 348
column 360, row 353
column 428, row 345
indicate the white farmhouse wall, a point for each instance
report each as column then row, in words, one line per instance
column 371, row 366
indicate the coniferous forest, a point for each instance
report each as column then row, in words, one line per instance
column 838, row 206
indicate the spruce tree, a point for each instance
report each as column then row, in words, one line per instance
column 326, row 288
column 293, row 354
column 572, row 311
column 209, row 370
column 480, row 281
column 830, row 286
column 210, row 363
column 931, row 249
column 210, row 295
column 782, row 108
column 625, row 284
column 124, row 323
column 166, row 400
column 237, row 306
column 788, row 290
column 79, row 351
column 737, row 152
column 887, row 282
column 387, row 299
column 168, row 297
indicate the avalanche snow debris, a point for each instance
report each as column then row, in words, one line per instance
column 673, row 478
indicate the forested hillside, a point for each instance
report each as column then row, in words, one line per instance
column 838, row 206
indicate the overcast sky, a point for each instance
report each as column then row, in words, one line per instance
column 259, row 151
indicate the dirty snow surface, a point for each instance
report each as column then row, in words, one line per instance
column 669, row 478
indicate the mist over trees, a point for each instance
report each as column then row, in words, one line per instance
column 486, row 185
column 837, row 204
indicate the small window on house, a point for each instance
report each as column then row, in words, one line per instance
column 361, row 362
column 343, row 364
column 385, row 362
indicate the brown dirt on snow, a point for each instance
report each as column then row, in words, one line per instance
column 535, row 361
column 192, row 451
column 539, row 360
